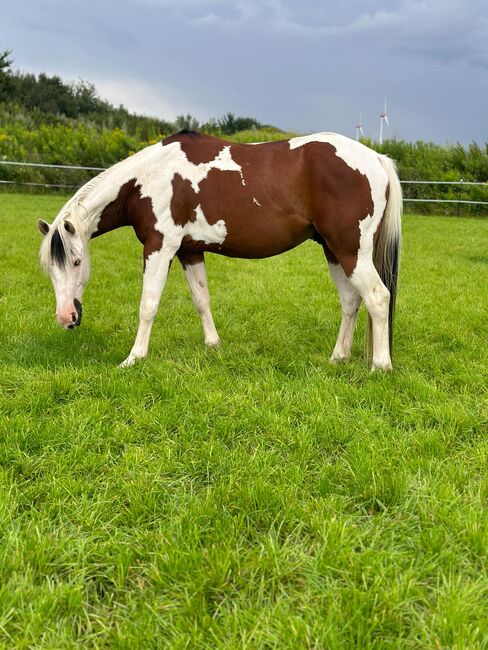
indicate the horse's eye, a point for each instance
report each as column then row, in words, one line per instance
column 77, row 262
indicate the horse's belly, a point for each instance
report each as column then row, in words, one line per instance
column 257, row 238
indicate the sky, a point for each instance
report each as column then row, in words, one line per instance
column 302, row 65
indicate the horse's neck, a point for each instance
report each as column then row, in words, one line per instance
column 102, row 205
column 104, row 198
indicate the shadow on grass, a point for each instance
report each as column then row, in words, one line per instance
column 56, row 349
column 478, row 259
column 292, row 349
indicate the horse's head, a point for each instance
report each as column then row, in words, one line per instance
column 64, row 256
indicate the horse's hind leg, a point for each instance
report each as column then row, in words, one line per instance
column 194, row 268
column 367, row 282
column 350, row 302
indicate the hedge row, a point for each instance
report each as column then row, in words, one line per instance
column 79, row 143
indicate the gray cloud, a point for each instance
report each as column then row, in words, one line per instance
column 449, row 29
column 303, row 65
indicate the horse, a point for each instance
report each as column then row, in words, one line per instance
column 193, row 193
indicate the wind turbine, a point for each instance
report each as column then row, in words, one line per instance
column 383, row 120
column 359, row 127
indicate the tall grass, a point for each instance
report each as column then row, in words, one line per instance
column 254, row 496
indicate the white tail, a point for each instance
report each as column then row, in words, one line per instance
column 391, row 225
column 386, row 255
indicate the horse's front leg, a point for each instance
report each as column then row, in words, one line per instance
column 156, row 270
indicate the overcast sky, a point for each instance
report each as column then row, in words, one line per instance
column 303, row 65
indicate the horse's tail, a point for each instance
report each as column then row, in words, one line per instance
column 386, row 253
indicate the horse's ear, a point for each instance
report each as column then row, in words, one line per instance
column 69, row 227
column 43, row 226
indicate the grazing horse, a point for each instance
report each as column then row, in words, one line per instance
column 193, row 193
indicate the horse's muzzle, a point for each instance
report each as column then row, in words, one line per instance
column 79, row 311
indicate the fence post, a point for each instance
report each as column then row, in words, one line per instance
column 459, row 190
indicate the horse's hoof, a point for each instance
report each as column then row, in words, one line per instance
column 130, row 361
column 212, row 344
column 335, row 359
column 387, row 367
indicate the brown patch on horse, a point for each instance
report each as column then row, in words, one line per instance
column 331, row 258
column 143, row 219
column 198, row 148
column 184, row 200
column 189, row 259
column 260, row 221
column 131, row 209
column 222, row 194
column 114, row 213
column 341, row 200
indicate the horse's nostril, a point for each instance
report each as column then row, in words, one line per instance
column 74, row 317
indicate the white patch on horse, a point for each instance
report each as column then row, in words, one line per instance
column 224, row 161
column 254, row 200
column 201, row 230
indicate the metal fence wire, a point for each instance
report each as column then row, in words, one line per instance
column 457, row 186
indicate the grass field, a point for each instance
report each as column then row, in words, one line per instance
column 254, row 496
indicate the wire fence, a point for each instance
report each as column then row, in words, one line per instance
column 459, row 187
column 463, row 196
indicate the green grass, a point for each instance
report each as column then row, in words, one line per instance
column 254, row 496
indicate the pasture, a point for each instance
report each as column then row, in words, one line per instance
column 254, row 496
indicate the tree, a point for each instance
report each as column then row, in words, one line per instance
column 230, row 124
column 86, row 97
column 5, row 62
column 186, row 122
column 5, row 75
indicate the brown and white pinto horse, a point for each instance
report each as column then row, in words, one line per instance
column 194, row 193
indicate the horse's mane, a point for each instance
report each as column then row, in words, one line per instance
column 73, row 209
column 176, row 137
